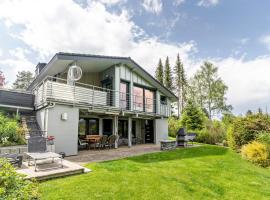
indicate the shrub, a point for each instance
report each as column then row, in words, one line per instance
column 10, row 131
column 174, row 125
column 14, row 186
column 263, row 137
column 257, row 153
column 245, row 129
column 213, row 133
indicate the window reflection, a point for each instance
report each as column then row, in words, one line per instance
column 124, row 95
column 138, row 98
column 149, row 100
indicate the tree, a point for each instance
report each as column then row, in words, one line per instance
column 209, row 90
column 159, row 72
column 180, row 84
column 23, row 80
column 2, row 79
column 249, row 112
column 168, row 75
column 193, row 117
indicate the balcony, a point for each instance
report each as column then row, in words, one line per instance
column 53, row 89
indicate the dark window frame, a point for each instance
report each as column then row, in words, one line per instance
column 154, row 94
column 127, row 93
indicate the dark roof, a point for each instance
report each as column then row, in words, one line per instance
column 105, row 57
column 16, row 98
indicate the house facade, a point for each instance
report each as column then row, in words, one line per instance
column 114, row 96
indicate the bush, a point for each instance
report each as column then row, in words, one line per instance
column 10, row 132
column 174, row 125
column 213, row 133
column 263, row 137
column 14, row 186
column 246, row 129
column 257, row 153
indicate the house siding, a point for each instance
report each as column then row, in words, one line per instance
column 65, row 132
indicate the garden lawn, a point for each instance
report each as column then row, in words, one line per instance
column 205, row 172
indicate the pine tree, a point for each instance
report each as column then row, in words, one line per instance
column 23, row 80
column 168, row 75
column 159, row 72
column 193, row 117
column 180, row 84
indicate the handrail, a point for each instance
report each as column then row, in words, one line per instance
column 98, row 96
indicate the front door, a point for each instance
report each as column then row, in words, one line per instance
column 149, row 131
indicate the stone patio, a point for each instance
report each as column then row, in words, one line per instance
column 87, row 156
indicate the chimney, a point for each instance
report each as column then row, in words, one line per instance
column 39, row 68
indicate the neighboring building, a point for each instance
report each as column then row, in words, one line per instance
column 114, row 96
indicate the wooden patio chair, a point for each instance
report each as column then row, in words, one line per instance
column 102, row 142
column 111, row 141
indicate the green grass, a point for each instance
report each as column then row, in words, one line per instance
column 206, row 172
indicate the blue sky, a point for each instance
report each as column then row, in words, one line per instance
column 233, row 34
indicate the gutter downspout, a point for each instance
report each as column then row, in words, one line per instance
column 46, row 118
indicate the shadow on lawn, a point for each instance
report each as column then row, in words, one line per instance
column 179, row 154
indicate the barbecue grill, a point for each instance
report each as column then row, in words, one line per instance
column 180, row 137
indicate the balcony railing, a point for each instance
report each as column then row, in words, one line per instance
column 57, row 90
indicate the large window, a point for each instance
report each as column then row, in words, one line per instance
column 138, row 98
column 88, row 126
column 82, row 127
column 124, row 96
column 143, row 99
column 149, row 100
column 93, row 127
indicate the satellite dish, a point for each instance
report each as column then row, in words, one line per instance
column 74, row 73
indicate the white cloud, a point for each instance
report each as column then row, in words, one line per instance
column 248, row 82
column 17, row 61
column 109, row 2
column 178, row 2
column 154, row 6
column 51, row 26
column 207, row 3
column 266, row 41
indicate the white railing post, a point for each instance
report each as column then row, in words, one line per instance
column 93, row 94
column 42, row 92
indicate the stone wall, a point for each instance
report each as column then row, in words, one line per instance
column 13, row 149
column 167, row 145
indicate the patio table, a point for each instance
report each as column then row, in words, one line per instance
column 43, row 156
column 93, row 139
